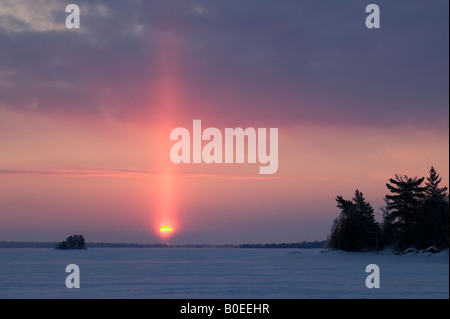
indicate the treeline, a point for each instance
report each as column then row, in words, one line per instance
column 416, row 215
column 34, row 244
column 27, row 244
column 304, row 244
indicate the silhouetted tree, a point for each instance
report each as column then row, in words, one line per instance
column 433, row 191
column 432, row 220
column 368, row 228
column 387, row 227
column 355, row 229
column 403, row 208
column 343, row 232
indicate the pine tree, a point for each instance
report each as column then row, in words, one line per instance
column 433, row 192
column 348, row 238
column 388, row 229
column 355, row 229
column 70, row 242
column 81, row 242
column 403, row 207
column 368, row 228
column 434, row 221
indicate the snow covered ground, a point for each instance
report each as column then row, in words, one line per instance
column 220, row 273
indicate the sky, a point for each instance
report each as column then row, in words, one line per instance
column 86, row 114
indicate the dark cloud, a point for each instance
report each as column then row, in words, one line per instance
column 265, row 61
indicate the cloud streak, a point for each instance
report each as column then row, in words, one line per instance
column 126, row 173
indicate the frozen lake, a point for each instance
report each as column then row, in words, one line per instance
column 219, row 273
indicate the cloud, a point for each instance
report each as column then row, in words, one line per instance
column 264, row 61
column 121, row 173
column 23, row 15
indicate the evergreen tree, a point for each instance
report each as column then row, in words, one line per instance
column 387, row 228
column 355, row 229
column 347, row 232
column 81, row 242
column 433, row 225
column 70, row 242
column 433, row 191
column 368, row 228
column 403, row 208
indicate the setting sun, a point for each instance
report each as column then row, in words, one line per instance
column 165, row 229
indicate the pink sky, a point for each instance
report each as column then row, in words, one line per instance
column 86, row 115
column 114, row 180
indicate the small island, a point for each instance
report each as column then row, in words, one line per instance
column 72, row 242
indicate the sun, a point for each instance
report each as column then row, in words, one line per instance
column 165, row 229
